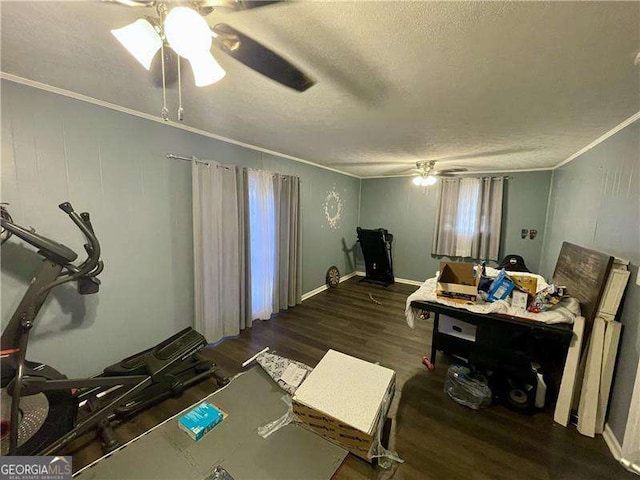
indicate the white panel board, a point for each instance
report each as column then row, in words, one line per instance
column 611, row 341
column 588, row 407
column 567, row 386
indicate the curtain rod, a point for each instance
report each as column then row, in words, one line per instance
column 505, row 177
column 171, row 156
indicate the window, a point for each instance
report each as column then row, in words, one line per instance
column 262, row 243
column 469, row 218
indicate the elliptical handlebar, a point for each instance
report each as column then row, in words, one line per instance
column 63, row 255
column 83, row 222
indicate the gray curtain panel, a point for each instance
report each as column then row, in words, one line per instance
column 288, row 282
column 244, row 274
column 222, row 247
column 444, row 234
column 217, row 250
column 469, row 218
column 486, row 242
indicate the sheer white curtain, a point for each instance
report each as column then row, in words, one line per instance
column 469, row 218
column 262, row 223
column 466, row 214
column 217, row 250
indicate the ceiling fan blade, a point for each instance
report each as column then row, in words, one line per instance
column 372, row 164
column 249, row 4
column 445, row 171
column 403, row 171
column 132, row 3
column 236, row 4
column 261, row 59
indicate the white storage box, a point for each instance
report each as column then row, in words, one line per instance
column 346, row 400
column 457, row 328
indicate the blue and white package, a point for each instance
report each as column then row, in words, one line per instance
column 201, row 419
column 501, row 287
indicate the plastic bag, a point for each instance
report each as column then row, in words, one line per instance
column 547, row 298
column 275, row 366
column 386, row 458
column 466, row 390
column 286, row 419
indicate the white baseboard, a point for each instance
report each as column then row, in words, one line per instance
column 616, row 450
column 398, row 280
column 612, row 442
column 322, row 288
column 409, row 282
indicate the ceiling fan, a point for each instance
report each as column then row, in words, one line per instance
column 428, row 175
column 181, row 25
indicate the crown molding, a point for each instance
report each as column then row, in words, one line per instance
column 633, row 118
column 136, row 113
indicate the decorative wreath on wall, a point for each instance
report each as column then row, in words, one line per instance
column 333, row 209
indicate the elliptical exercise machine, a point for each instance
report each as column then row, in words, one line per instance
column 39, row 404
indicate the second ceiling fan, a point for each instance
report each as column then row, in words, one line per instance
column 428, row 175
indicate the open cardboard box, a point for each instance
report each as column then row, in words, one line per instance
column 458, row 282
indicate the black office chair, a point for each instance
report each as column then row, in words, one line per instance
column 513, row 263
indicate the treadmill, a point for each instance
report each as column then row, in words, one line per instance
column 376, row 250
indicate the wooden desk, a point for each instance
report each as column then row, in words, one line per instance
column 487, row 324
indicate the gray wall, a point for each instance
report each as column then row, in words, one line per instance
column 595, row 202
column 112, row 164
column 409, row 213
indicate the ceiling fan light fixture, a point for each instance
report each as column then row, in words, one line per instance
column 429, row 180
column 187, row 32
column 206, row 70
column 424, row 180
column 140, row 39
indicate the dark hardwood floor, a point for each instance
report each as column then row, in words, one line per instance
column 437, row 438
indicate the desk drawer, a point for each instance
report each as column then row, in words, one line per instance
column 457, row 328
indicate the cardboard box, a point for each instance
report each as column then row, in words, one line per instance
column 346, row 401
column 458, row 282
column 525, row 282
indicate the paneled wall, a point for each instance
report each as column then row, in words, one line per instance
column 595, row 202
column 113, row 165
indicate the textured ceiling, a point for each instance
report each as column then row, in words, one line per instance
column 488, row 86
